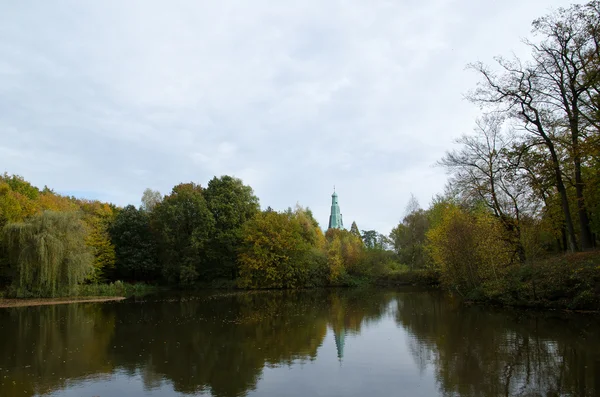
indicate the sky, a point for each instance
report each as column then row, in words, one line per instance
column 102, row 99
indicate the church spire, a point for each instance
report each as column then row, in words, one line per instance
column 335, row 219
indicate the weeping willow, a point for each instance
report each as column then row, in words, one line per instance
column 49, row 253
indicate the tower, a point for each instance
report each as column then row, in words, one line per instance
column 335, row 219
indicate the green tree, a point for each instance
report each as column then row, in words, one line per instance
column 20, row 185
column 49, row 253
column 135, row 247
column 369, row 237
column 232, row 204
column 409, row 238
column 354, row 230
column 183, row 225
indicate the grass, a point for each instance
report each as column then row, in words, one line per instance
column 118, row 288
column 115, row 289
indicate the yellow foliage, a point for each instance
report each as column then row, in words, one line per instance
column 470, row 249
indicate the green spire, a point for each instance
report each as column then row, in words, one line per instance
column 335, row 219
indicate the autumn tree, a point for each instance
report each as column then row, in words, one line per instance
column 470, row 250
column 551, row 97
column 485, row 170
column 97, row 217
column 272, row 243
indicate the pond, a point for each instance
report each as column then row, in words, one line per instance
column 352, row 342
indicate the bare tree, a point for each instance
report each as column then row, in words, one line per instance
column 567, row 73
column 516, row 93
column 482, row 171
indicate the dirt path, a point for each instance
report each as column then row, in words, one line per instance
column 56, row 301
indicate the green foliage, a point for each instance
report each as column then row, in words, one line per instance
column 135, row 246
column 408, row 239
column 19, row 185
column 183, row 225
column 48, row 253
column 117, row 288
column 369, row 237
column 354, row 230
column 231, row 204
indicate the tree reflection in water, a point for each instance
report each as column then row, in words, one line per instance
column 480, row 351
column 221, row 343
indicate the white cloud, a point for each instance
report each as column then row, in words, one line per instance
column 108, row 98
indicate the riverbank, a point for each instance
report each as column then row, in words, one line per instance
column 88, row 292
column 56, row 301
column 568, row 281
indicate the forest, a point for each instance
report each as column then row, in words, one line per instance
column 518, row 222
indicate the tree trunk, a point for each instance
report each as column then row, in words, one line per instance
column 562, row 191
column 587, row 240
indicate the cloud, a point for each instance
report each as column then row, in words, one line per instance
column 108, row 98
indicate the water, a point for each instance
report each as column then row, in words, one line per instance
column 307, row 343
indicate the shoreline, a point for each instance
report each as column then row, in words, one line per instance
column 6, row 303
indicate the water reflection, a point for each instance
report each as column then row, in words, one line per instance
column 485, row 352
column 222, row 345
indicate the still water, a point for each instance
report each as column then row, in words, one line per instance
column 302, row 343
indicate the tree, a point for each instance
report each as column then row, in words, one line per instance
column 10, row 208
column 272, row 243
column 49, row 253
column 19, row 185
column 518, row 91
column 150, row 198
column 231, row 204
column 566, row 63
column 484, row 171
column 183, row 225
column 97, row 217
column 375, row 240
column 135, row 247
column 345, row 253
column 469, row 249
column 409, row 238
column 554, row 97
column 354, row 230
column 369, row 237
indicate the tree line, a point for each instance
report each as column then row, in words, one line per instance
column 525, row 184
column 195, row 236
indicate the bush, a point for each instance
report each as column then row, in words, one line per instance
column 118, row 288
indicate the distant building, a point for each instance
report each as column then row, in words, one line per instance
column 335, row 219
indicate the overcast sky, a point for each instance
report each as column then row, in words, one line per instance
column 102, row 99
